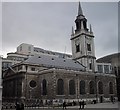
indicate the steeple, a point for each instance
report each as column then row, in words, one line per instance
column 81, row 21
column 80, row 12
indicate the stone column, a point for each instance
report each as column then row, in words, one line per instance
column 54, row 84
column 77, row 86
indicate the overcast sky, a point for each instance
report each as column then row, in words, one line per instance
column 48, row 25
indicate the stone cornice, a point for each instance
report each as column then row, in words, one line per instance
column 85, row 56
column 81, row 33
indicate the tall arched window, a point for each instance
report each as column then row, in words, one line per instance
column 44, row 87
column 100, row 87
column 82, row 87
column 60, row 87
column 71, row 87
column 110, row 88
column 92, row 87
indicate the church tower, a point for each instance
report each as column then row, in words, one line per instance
column 82, row 41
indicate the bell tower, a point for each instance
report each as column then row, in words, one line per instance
column 82, row 41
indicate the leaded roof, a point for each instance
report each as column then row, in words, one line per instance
column 55, row 62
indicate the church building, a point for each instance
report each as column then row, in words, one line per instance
column 47, row 77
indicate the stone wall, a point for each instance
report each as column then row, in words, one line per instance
column 51, row 76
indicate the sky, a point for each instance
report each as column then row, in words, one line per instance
column 48, row 25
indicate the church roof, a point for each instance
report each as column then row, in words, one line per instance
column 55, row 62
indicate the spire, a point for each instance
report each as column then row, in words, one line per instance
column 91, row 29
column 72, row 31
column 80, row 10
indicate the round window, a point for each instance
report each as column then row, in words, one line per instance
column 32, row 83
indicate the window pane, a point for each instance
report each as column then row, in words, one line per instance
column 100, row 88
column 106, row 68
column 90, row 66
column 100, row 68
column 32, row 69
column 71, row 87
column 92, row 87
column 77, row 48
column 88, row 47
column 60, row 87
column 44, row 87
column 82, row 87
column 32, row 83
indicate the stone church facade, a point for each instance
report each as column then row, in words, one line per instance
column 56, row 83
column 42, row 77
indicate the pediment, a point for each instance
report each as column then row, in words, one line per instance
column 8, row 72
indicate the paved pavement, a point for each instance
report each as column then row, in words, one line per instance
column 98, row 106
column 67, row 109
column 76, row 109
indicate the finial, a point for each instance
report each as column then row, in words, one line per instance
column 91, row 29
column 72, row 31
column 80, row 10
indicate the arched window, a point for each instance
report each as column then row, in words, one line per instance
column 71, row 87
column 77, row 48
column 60, row 87
column 92, row 87
column 100, row 87
column 82, row 87
column 84, row 24
column 44, row 87
column 78, row 25
column 110, row 88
